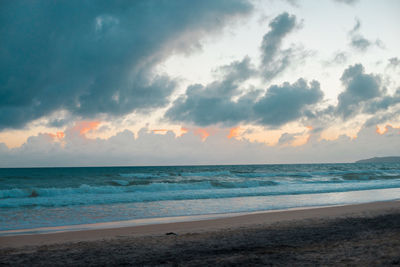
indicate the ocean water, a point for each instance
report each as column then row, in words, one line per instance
column 48, row 197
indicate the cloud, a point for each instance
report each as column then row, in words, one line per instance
column 383, row 103
column 394, row 62
column 211, row 104
column 234, row 132
column 340, row 58
column 359, row 42
column 287, row 138
column 84, row 127
column 348, row 2
column 274, row 59
column 364, row 94
column 294, row 3
column 222, row 102
column 148, row 148
column 226, row 102
column 96, row 58
column 359, row 88
column 57, row 122
column 287, row 102
column 381, row 118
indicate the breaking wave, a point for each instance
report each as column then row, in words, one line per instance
column 92, row 195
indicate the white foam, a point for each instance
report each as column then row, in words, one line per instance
column 85, row 194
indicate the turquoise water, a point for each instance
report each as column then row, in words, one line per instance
column 43, row 197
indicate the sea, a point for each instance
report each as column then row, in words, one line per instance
column 35, row 200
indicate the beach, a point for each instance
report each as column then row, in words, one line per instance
column 358, row 234
column 199, row 133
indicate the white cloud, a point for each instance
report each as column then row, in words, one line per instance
column 149, row 148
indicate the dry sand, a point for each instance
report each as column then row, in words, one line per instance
column 364, row 234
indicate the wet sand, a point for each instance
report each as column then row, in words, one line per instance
column 364, row 234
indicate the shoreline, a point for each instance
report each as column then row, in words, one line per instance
column 293, row 202
column 150, row 221
column 209, row 223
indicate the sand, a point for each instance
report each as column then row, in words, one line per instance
column 363, row 234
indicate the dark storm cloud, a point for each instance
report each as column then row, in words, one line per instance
column 205, row 105
column 57, row 122
column 287, row 102
column 96, row 57
column 363, row 94
column 383, row 103
column 214, row 104
column 384, row 117
column 359, row 88
column 274, row 59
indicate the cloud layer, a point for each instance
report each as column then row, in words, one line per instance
column 91, row 58
column 148, row 148
column 215, row 103
column 101, row 60
column 227, row 102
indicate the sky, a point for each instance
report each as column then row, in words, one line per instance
column 121, row 83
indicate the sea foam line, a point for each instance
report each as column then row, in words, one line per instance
column 207, row 193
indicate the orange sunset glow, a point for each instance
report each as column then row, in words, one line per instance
column 84, row 127
column 183, row 131
column 380, row 130
column 160, row 131
column 385, row 129
column 58, row 135
column 202, row 133
column 234, row 132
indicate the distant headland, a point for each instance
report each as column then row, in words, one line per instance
column 380, row 160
